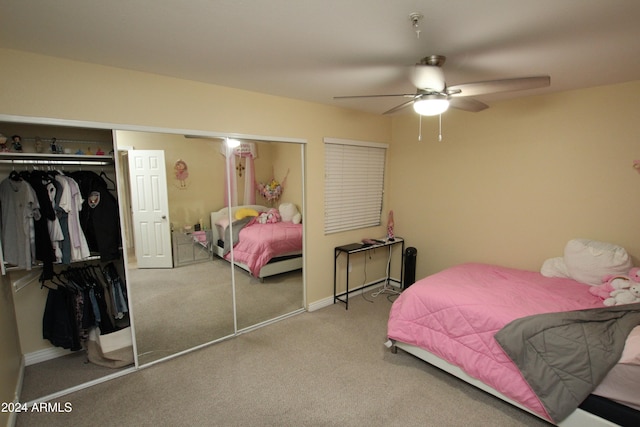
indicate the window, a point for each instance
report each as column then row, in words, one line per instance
column 353, row 184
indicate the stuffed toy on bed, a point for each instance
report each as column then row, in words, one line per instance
column 269, row 217
column 624, row 296
column 610, row 284
column 626, row 289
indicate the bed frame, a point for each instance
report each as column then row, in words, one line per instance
column 578, row 418
column 278, row 265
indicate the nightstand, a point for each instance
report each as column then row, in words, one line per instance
column 189, row 248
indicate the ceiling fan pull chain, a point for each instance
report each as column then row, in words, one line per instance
column 415, row 20
column 440, row 127
column 420, row 129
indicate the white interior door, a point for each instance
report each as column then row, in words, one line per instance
column 150, row 206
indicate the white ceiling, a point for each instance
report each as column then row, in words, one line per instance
column 316, row 49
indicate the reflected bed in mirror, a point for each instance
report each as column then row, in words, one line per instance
column 265, row 241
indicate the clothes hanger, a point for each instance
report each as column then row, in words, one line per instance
column 14, row 175
column 108, row 180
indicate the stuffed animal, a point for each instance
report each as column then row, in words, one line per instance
column 610, row 284
column 624, row 296
column 269, row 217
column 634, row 274
column 614, row 282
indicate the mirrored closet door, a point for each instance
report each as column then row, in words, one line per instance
column 268, row 255
column 206, row 294
column 187, row 301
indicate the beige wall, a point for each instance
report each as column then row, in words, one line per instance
column 512, row 184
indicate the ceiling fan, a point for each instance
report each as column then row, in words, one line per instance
column 434, row 97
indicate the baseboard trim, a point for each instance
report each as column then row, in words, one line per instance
column 326, row 302
column 44, row 355
column 317, row 305
column 82, row 386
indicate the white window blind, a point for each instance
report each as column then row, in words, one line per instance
column 354, row 184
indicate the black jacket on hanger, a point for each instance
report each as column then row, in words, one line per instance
column 39, row 180
column 99, row 217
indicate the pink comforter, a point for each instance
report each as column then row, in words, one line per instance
column 258, row 243
column 454, row 314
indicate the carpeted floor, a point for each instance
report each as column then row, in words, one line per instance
column 180, row 308
column 325, row 368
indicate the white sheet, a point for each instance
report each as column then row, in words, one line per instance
column 622, row 383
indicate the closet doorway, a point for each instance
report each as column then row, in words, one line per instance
column 54, row 363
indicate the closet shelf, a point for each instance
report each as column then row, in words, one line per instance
column 68, row 141
column 53, row 159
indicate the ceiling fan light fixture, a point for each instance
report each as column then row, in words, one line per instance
column 431, row 105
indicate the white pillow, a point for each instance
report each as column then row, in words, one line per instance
column 589, row 261
column 287, row 211
column 554, row 267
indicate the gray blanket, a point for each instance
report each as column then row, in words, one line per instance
column 230, row 241
column 564, row 356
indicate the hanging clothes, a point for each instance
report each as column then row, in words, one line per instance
column 84, row 298
column 74, row 247
column 20, row 207
column 43, row 247
column 59, row 324
column 56, row 234
column 118, row 290
column 99, row 216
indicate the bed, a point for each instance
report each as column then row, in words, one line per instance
column 262, row 250
column 454, row 319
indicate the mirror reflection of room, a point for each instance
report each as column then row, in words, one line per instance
column 266, row 230
column 193, row 300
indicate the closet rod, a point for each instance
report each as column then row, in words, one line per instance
column 35, row 272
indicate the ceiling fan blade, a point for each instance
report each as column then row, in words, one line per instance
column 400, row 107
column 374, row 96
column 495, row 86
column 467, row 104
